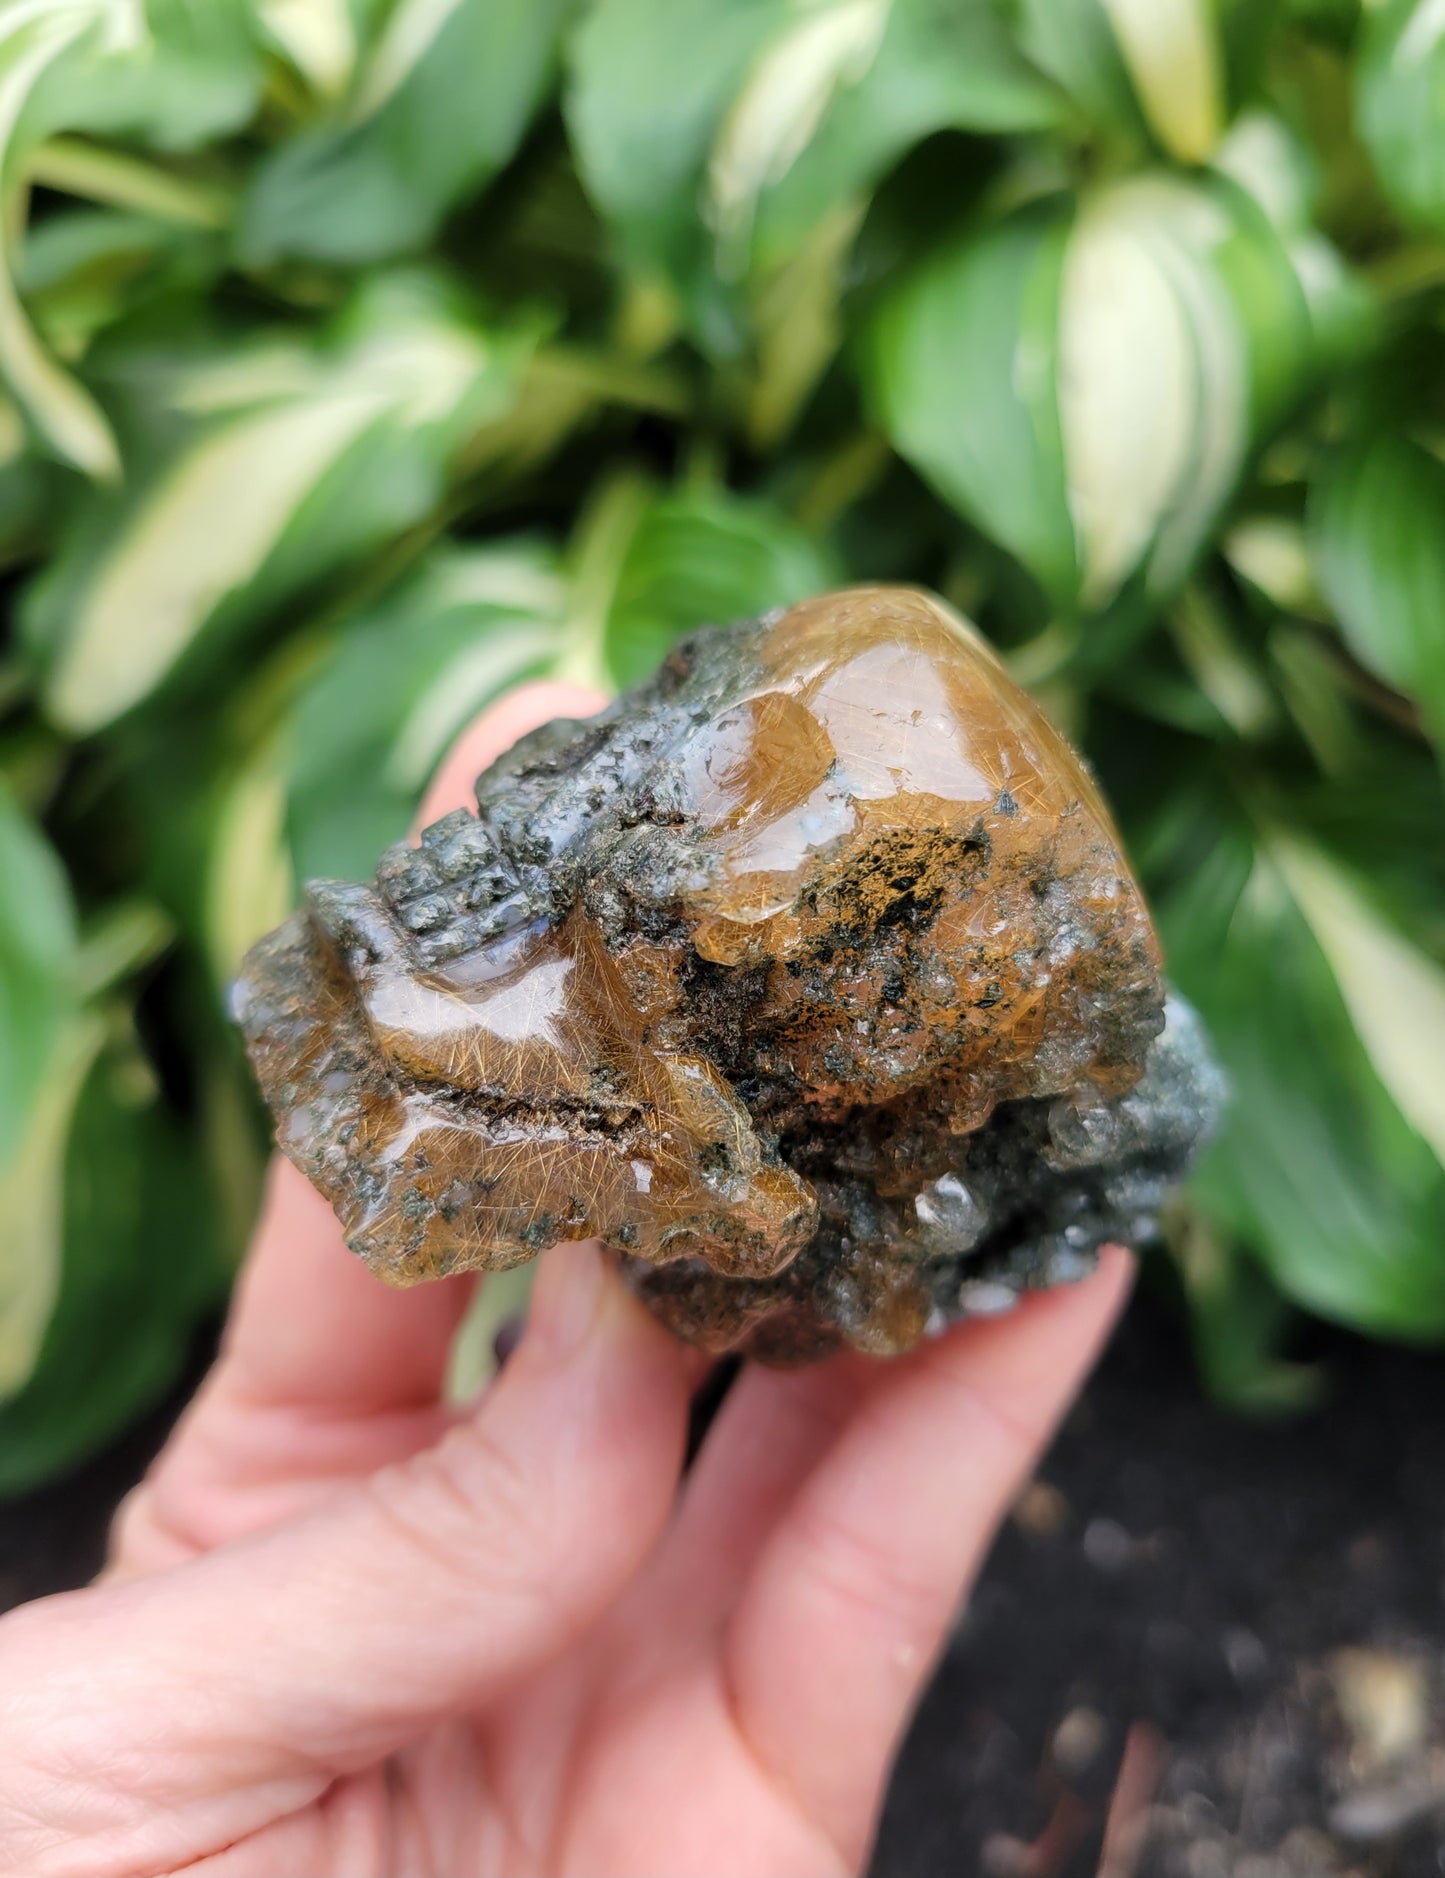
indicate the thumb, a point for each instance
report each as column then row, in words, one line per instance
column 198, row 1703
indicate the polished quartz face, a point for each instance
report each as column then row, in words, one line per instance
column 810, row 977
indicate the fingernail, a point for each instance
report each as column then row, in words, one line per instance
column 568, row 1296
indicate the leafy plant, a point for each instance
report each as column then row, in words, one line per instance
column 361, row 357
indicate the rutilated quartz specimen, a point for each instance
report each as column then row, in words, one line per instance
column 809, row 976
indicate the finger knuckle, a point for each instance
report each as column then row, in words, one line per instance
column 869, row 1580
column 465, row 1505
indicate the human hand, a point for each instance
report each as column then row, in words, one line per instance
column 349, row 1629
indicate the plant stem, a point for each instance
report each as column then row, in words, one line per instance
column 612, row 379
column 78, row 168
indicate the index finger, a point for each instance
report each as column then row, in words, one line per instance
column 325, row 1372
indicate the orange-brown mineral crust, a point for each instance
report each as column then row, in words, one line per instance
column 810, row 976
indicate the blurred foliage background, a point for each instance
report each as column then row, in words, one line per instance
column 361, row 357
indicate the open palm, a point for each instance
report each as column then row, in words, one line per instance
column 349, row 1629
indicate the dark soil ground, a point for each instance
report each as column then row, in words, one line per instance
column 1203, row 1648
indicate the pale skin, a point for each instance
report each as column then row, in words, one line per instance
column 349, row 1629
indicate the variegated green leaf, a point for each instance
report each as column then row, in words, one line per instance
column 1395, row 992
column 204, row 534
column 37, row 962
column 1184, row 332
column 437, row 104
column 1074, row 43
column 399, row 684
column 1400, row 103
column 32, row 1207
column 307, row 457
column 703, row 557
column 1377, row 546
column 779, row 108
column 773, row 117
column 1318, row 1168
column 168, row 75
column 937, row 66
column 318, row 36
column 33, row 36
column 130, row 1243
column 962, row 368
column 1130, row 385
column 250, row 887
column 1171, row 49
